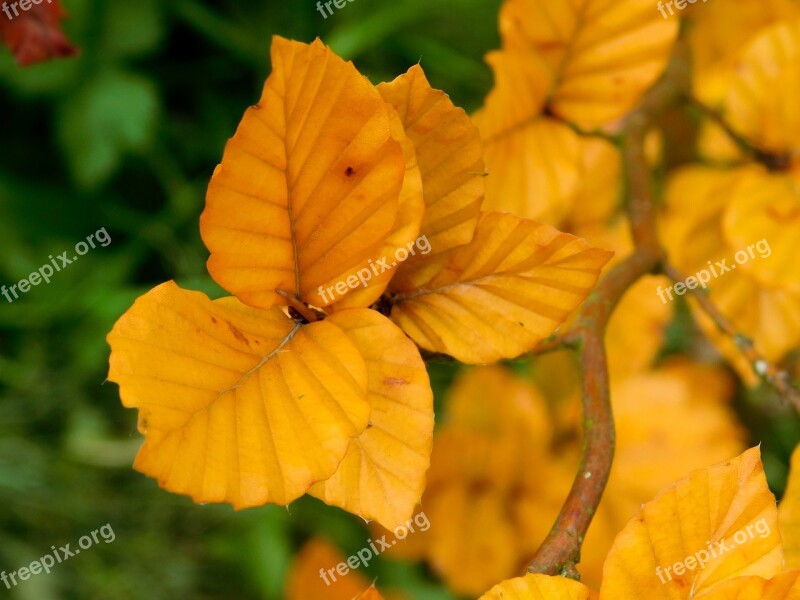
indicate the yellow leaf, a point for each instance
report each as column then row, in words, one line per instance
column 307, row 191
column 761, row 103
column 716, row 524
column 382, row 475
column 474, row 544
column 411, row 209
column 789, row 514
column 450, row 156
column 305, row 580
column 785, row 586
column 603, row 55
column 762, row 224
column 533, row 162
column 539, row 587
column 501, row 294
column 237, row 405
column 717, row 35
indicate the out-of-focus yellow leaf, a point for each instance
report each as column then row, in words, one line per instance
column 237, row 405
column 382, row 475
column 307, row 191
column 474, row 543
column 450, row 156
column 539, row 587
column 789, row 514
column 304, row 581
column 785, row 586
column 761, row 103
column 635, row 332
column 762, row 224
column 714, row 215
column 533, row 162
column 603, row 54
column 725, row 511
column 498, row 296
column 717, row 34
column 489, row 441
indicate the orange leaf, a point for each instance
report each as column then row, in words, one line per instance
column 236, row 404
column 305, row 579
column 539, row 587
column 450, row 156
column 785, row 586
column 308, row 188
column 789, row 514
column 716, row 524
column 498, row 296
column 603, row 55
column 383, row 473
column 533, row 161
column 411, row 209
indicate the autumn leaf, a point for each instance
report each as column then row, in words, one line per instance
column 533, row 161
column 308, row 188
column 718, row 523
column 785, row 586
column 717, row 35
column 602, row 55
column 35, row 35
column 410, row 211
column 237, row 405
column 760, row 100
column 789, row 514
column 305, row 582
column 370, row 593
column 539, row 587
column 501, row 294
column 382, row 476
column 450, row 156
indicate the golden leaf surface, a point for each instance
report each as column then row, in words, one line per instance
column 382, row 476
column 498, row 296
column 237, row 404
column 308, row 188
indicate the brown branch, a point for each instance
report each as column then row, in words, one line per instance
column 560, row 553
column 779, row 380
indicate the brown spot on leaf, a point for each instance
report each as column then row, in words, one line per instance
column 213, row 320
column 238, row 334
column 392, row 381
column 349, row 171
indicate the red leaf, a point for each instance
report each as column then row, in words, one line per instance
column 34, row 35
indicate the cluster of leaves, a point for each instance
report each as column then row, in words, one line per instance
column 244, row 401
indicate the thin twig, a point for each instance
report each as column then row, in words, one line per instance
column 773, row 162
column 780, row 380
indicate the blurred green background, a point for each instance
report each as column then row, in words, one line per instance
column 126, row 137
